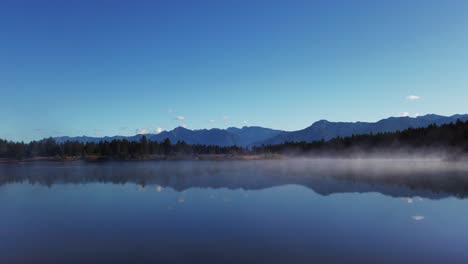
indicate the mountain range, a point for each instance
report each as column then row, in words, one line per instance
column 245, row 136
column 251, row 136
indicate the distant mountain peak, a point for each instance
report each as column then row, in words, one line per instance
column 181, row 128
column 322, row 121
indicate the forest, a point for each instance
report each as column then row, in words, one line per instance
column 452, row 137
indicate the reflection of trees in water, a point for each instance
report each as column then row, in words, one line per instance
column 431, row 179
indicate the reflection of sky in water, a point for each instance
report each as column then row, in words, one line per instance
column 281, row 223
column 284, row 222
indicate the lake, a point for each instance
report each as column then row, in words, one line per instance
column 266, row 211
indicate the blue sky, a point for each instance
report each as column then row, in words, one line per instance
column 111, row 67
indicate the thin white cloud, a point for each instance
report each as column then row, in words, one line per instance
column 407, row 114
column 413, row 97
column 158, row 130
column 184, row 125
column 225, row 118
column 180, row 118
column 141, row 131
column 211, row 121
column 418, row 217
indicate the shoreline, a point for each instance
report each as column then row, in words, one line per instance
column 245, row 157
column 220, row 157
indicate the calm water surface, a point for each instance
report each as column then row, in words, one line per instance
column 301, row 211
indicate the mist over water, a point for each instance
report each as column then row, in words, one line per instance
column 427, row 176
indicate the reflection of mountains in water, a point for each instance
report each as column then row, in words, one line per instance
column 397, row 178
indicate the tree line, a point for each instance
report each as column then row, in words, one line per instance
column 117, row 149
column 453, row 136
